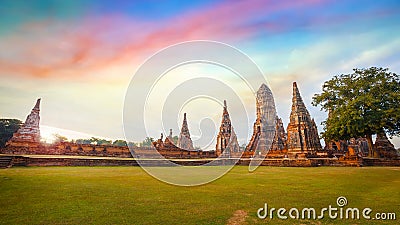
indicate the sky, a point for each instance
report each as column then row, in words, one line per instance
column 79, row 56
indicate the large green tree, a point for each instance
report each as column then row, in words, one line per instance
column 361, row 104
column 7, row 128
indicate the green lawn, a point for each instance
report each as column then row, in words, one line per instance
column 127, row 195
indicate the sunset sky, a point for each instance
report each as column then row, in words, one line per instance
column 79, row 56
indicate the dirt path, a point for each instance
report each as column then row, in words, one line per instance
column 239, row 217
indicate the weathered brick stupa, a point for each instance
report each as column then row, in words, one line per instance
column 29, row 131
column 26, row 139
column 264, row 127
column 384, row 148
column 226, row 140
column 279, row 142
column 169, row 137
column 302, row 137
column 184, row 140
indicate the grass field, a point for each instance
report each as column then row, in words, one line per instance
column 127, row 195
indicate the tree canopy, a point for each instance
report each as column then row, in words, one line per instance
column 363, row 103
column 147, row 142
column 7, row 128
column 59, row 138
column 94, row 141
column 120, row 143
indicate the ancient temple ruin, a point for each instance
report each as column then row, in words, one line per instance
column 29, row 131
column 169, row 137
column 383, row 147
column 269, row 139
column 279, row 142
column 226, row 140
column 264, row 126
column 302, row 137
column 184, row 140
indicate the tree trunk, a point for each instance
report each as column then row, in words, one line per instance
column 370, row 145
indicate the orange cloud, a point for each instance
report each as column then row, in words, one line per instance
column 51, row 48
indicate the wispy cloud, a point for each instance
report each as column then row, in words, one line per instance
column 53, row 47
column 84, row 56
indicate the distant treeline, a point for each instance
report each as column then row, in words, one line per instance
column 147, row 142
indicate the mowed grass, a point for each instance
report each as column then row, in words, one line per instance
column 128, row 195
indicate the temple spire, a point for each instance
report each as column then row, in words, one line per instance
column 29, row 131
column 302, row 131
column 297, row 102
column 226, row 139
column 185, row 128
column 37, row 105
column 383, row 147
column 264, row 126
column 225, row 111
column 184, row 140
column 279, row 142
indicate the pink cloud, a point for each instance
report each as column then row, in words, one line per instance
column 47, row 48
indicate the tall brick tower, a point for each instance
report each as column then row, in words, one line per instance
column 29, row 131
column 184, row 140
column 302, row 131
column 226, row 139
column 264, row 127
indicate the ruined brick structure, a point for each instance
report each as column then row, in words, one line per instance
column 26, row 141
column 27, row 137
column 183, row 150
column 226, row 140
column 264, row 126
column 67, row 148
column 184, row 140
column 383, row 147
column 169, row 150
column 29, row 131
column 302, row 137
column 269, row 139
column 279, row 142
column 169, row 137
